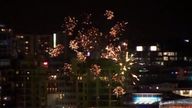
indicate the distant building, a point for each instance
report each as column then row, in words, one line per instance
column 31, row 72
column 7, row 67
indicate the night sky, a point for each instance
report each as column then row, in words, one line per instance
column 146, row 19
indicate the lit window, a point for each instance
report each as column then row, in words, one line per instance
column 79, row 78
column 165, row 53
column 17, row 72
column 139, row 48
column 28, row 72
column 26, row 48
column 165, row 58
column 185, row 58
column 26, row 42
column 2, row 29
column 170, row 54
column 153, row 48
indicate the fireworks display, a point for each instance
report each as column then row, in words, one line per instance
column 73, row 45
column 88, row 40
column 69, row 25
column 118, row 91
column 109, row 14
column 81, row 57
column 111, row 52
column 54, row 52
column 95, row 69
column 117, row 29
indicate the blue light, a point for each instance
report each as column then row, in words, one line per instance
column 146, row 100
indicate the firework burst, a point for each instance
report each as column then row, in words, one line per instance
column 109, row 14
column 81, row 57
column 117, row 29
column 73, row 45
column 119, row 91
column 54, row 52
column 95, row 69
column 111, row 52
column 69, row 24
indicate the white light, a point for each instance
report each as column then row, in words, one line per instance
column 26, row 42
column 124, row 44
column 88, row 54
column 139, row 48
column 54, row 40
column 186, row 40
column 157, row 88
column 5, row 98
column 146, row 100
column 153, row 48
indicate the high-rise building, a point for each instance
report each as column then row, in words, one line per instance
column 7, row 66
column 31, row 72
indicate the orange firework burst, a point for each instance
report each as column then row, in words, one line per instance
column 111, row 52
column 69, row 25
column 81, row 57
column 109, row 14
column 119, row 91
column 73, row 45
column 88, row 39
column 54, row 52
column 95, row 69
column 117, row 29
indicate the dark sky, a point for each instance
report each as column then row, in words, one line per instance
column 146, row 17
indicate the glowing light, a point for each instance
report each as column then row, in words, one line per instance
column 52, row 77
column 135, row 76
column 146, row 100
column 186, row 40
column 186, row 93
column 54, row 40
column 139, row 48
column 26, row 42
column 45, row 63
column 153, row 48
